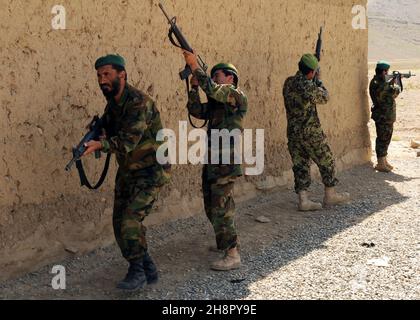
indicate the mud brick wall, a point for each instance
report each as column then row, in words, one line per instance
column 48, row 93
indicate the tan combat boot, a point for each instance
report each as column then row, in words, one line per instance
column 307, row 205
column 381, row 166
column 231, row 261
column 332, row 198
column 388, row 164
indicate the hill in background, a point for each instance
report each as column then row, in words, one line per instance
column 394, row 29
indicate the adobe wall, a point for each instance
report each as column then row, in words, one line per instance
column 48, row 93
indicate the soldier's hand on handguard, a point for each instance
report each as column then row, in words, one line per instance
column 191, row 59
column 92, row 146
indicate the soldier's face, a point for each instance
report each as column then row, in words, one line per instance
column 310, row 75
column 109, row 80
column 220, row 78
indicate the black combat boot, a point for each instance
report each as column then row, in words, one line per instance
column 135, row 278
column 150, row 269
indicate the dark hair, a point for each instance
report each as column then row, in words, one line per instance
column 119, row 69
column 304, row 69
column 229, row 73
column 379, row 71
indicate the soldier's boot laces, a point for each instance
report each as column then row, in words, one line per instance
column 388, row 164
column 231, row 261
column 307, row 205
column 332, row 197
column 381, row 166
column 150, row 269
column 135, row 278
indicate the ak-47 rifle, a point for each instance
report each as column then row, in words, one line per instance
column 397, row 77
column 183, row 44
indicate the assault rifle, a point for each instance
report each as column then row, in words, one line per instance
column 174, row 31
column 397, row 77
column 95, row 131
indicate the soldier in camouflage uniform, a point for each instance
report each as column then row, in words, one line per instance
column 226, row 108
column 306, row 139
column 131, row 122
column 384, row 112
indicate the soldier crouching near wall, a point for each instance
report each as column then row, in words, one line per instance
column 384, row 112
column 131, row 122
column 306, row 139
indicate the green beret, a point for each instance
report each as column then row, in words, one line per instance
column 383, row 65
column 310, row 61
column 224, row 66
column 110, row 59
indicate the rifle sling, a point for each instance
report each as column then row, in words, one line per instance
column 172, row 39
column 189, row 114
column 84, row 180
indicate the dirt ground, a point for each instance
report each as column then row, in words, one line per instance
column 269, row 250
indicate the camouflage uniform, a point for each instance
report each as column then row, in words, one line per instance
column 306, row 139
column 384, row 112
column 131, row 127
column 226, row 108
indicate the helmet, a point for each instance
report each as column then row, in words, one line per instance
column 225, row 66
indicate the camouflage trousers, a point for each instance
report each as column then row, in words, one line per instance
column 134, row 199
column 317, row 150
column 384, row 131
column 220, row 208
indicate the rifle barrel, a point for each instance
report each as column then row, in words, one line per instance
column 164, row 12
column 70, row 164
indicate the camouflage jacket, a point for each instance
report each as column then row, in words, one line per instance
column 300, row 98
column 383, row 96
column 131, row 126
column 225, row 109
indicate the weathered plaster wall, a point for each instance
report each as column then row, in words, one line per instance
column 48, row 93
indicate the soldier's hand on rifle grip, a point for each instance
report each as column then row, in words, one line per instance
column 92, row 146
column 191, row 60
